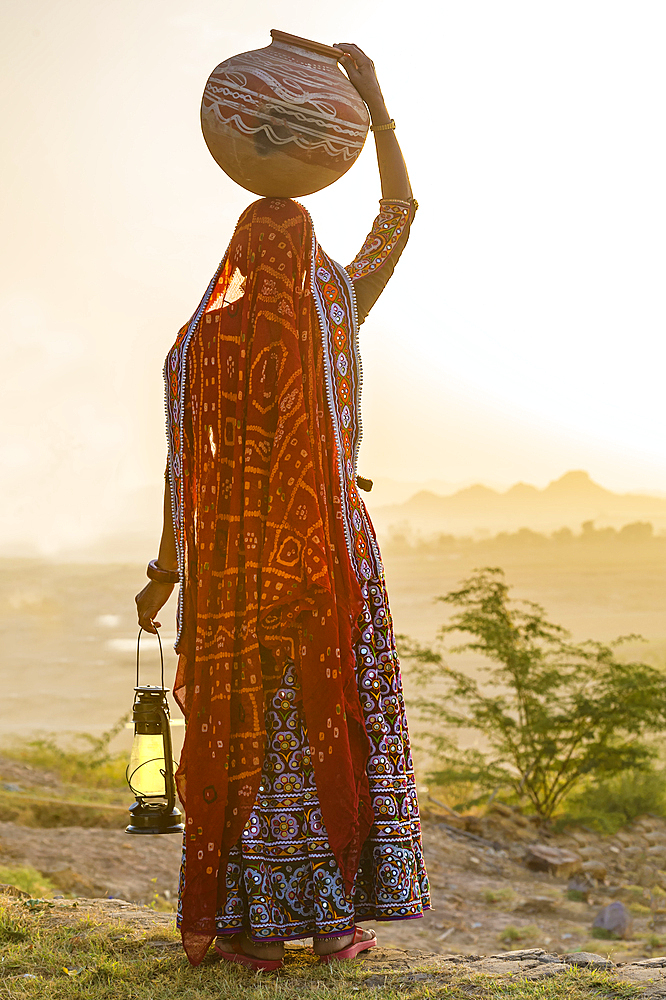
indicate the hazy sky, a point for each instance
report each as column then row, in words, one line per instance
column 523, row 333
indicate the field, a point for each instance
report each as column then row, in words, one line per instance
column 69, row 632
column 68, row 666
column 105, row 950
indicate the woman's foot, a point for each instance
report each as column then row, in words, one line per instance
column 270, row 952
column 330, row 949
column 240, row 948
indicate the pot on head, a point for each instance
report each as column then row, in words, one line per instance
column 284, row 120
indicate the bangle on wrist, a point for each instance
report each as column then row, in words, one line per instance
column 155, row 573
column 383, row 128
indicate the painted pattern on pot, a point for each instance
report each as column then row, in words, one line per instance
column 283, row 120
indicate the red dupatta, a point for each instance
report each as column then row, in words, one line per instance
column 272, row 539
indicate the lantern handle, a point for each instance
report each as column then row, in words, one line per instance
column 138, row 646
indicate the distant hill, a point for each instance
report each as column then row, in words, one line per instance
column 474, row 511
column 568, row 501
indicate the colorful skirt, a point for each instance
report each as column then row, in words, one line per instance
column 282, row 879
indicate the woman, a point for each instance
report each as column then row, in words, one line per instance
column 295, row 773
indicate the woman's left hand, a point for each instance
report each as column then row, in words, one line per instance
column 361, row 71
column 150, row 601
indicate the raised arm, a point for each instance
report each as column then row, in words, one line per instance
column 374, row 263
column 392, row 170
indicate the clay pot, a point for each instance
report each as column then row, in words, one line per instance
column 283, row 121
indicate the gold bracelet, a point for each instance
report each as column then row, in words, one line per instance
column 157, row 574
column 383, row 128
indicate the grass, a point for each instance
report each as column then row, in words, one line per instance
column 90, row 788
column 506, row 895
column 63, row 809
column 86, row 760
column 577, row 895
column 513, row 933
column 28, row 879
column 608, row 805
column 86, row 959
column 602, row 934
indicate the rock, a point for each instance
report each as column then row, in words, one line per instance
column 499, row 807
column 552, row 859
column 13, row 890
column 508, row 813
column 472, row 824
column 651, row 963
column 658, row 850
column 498, row 967
column 616, row 919
column 645, row 824
column 580, row 887
column 647, row 876
column 590, row 851
column 596, row 868
column 544, row 967
column 522, row 955
column 587, row 960
column 548, row 971
column 581, row 838
column 656, row 837
column 508, row 830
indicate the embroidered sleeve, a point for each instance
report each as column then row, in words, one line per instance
column 393, row 220
column 373, row 266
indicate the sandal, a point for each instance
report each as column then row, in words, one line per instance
column 356, row 946
column 240, row 957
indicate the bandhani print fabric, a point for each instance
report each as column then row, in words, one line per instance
column 282, row 879
column 296, row 772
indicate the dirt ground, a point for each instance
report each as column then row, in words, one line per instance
column 68, row 664
column 485, row 898
column 383, row 965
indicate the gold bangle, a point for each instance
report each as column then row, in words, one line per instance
column 383, row 128
column 157, row 574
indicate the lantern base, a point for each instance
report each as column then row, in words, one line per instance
column 153, row 819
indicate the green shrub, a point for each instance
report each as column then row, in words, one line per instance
column 12, row 929
column 28, row 879
column 505, row 895
column 603, row 934
column 552, row 713
column 607, row 805
column 86, row 760
column 513, row 933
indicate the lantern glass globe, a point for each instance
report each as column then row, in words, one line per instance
column 147, row 765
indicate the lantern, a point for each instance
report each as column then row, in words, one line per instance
column 150, row 769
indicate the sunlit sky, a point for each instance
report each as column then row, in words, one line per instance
column 523, row 332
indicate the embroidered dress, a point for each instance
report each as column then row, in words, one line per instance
column 296, row 772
